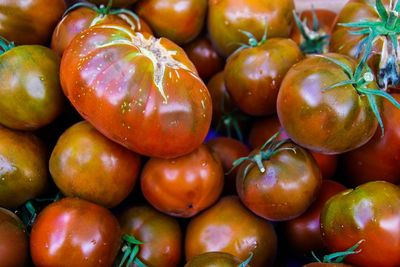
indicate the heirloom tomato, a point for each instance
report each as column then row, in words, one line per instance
column 139, row 91
column 215, row 259
column 115, row 3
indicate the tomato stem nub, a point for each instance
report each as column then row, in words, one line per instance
column 5, row 45
column 247, row 261
column 130, row 249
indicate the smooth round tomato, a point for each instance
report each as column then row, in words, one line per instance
column 29, row 78
column 160, row 234
column 227, row 18
column 303, row 233
column 13, row 240
column 322, row 119
column 75, row 232
column 178, row 20
column 86, row 164
column 214, row 259
column 253, row 75
column 23, row 168
column 229, row 227
column 29, row 22
column 183, row 186
column 137, row 90
column 371, row 212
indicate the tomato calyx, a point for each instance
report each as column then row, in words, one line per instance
column 252, row 40
column 130, row 249
column 5, row 45
column 315, row 40
column 247, row 261
column 338, row 257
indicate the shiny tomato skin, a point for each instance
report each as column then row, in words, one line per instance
column 13, row 240
column 227, row 17
column 75, row 232
column 29, row 75
column 330, row 121
column 115, row 3
column 183, row 186
column 303, row 233
column 86, row 164
column 23, row 168
column 253, row 75
column 371, row 212
column 222, row 103
column 181, row 21
column 161, row 235
column 109, row 76
column 214, row 259
column 229, row 227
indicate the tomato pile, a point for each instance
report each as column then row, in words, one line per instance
column 166, row 133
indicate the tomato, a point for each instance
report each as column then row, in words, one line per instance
column 204, row 57
column 183, row 186
column 334, row 6
column 29, row 22
column 160, row 234
column 178, row 20
column 115, row 3
column 327, row 164
column 278, row 182
column 362, row 165
column 228, row 150
column 254, row 74
column 86, row 164
column 321, row 264
column 29, row 74
column 13, row 240
column 371, row 212
column 75, row 232
column 137, row 90
column 83, row 17
column 226, row 18
column 303, row 233
column 214, row 259
column 23, row 168
column 229, row 227
column 323, row 119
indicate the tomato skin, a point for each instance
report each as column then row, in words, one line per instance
column 13, row 240
column 361, row 165
column 29, row 22
column 29, row 75
column 181, row 21
column 253, row 75
column 332, row 121
column 75, row 232
column 183, row 186
column 303, row 233
column 109, row 76
column 160, row 234
column 115, row 3
column 321, row 264
column 370, row 212
column 229, row 227
column 291, row 180
column 214, row 259
column 86, row 164
column 23, row 172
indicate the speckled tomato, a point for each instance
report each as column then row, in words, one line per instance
column 137, row 90
column 183, row 186
column 214, row 259
column 229, row 227
column 74, row 232
column 86, row 164
column 160, row 234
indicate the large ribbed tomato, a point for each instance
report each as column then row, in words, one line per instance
column 139, row 91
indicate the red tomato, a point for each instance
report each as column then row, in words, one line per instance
column 322, row 264
column 137, row 90
column 115, row 3
column 214, row 259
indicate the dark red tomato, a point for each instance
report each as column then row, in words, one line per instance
column 204, row 57
column 137, row 90
column 214, row 259
column 328, row 121
column 115, row 3
column 371, row 212
column 253, row 75
column 228, row 150
column 229, row 227
column 183, row 186
column 82, row 18
column 181, row 21
column 75, row 232
column 29, row 22
column 23, row 168
column 86, row 164
column 303, row 233
column 13, row 240
column 378, row 159
column 160, row 234
column 281, row 185
column 322, row 264
column 29, row 74
column 327, row 164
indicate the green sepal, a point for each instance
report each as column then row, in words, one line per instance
column 247, row 261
